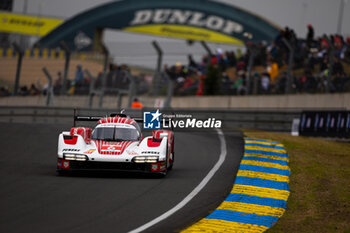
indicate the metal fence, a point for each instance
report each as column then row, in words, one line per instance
column 219, row 73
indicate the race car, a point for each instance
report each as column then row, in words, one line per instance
column 116, row 143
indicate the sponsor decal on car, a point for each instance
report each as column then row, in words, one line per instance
column 66, row 164
column 70, row 150
column 132, row 153
column 154, row 167
column 89, row 151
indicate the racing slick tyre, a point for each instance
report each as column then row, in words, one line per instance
column 173, row 159
column 171, row 165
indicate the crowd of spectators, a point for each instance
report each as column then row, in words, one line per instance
column 311, row 67
column 116, row 79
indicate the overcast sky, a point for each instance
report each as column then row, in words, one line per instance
column 322, row 14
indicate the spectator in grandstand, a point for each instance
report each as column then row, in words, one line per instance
column 81, row 83
column 324, row 64
column 231, row 58
column 310, row 85
column 214, row 60
column 241, row 65
column 238, row 86
column 310, row 35
column 58, row 83
column 136, row 104
column 190, row 85
column 112, row 75
column 24, row 90
column 338, row 68
column 279, row 39
column 310, row 55
column 346, row 51
column 202, row 67
column 33, row 90
column 177, row 73
column 200, row 89
column 265, row 83
column 260, row 57
column 79, row 76
column 273, row 70
column 4, row 91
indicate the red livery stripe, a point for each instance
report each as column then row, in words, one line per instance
column 111, row 148
column 116, row 119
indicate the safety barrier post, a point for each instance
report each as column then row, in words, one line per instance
column 19, row 66
column 49, row 94
column 67, row 52
column 170, row 92
column 132, row 88
column 91, row 87
column 252, row 51
column 331, row 62
column 206, row 47
column 156, row 83
column 104, row 75
column 290, row 65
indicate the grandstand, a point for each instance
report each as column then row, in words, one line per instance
column 274, row 62
column 34, row 60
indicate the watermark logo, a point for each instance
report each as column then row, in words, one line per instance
column 157, row 120
column 151, row 120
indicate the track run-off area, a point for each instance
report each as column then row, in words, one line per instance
column 34, row 198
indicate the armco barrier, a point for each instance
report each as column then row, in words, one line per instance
column 272, row 120
column 340, row 101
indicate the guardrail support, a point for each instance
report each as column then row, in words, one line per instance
column 170, row 92
column 252, row 51
column 290, row 65
column 156, row 83
column 206, row 47
column 67, row 52
column 19, row 50
column 132, row 89
column 49, row 94
column 104, row 77
column 92, row 91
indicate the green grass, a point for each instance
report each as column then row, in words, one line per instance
column 319, row 184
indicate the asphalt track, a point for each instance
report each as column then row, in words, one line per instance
column 33, row 198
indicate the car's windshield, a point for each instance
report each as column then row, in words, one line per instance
column 115, row 134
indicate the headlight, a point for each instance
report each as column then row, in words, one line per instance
column 145, row 159
column 151, row 159
column 75, row 157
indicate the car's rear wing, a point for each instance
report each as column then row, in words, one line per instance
column 97, row 118
column 84, row 118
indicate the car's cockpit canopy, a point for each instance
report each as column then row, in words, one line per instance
column 116, row 132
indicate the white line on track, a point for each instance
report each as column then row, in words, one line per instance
column 195, row 191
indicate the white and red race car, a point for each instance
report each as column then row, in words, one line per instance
column 116, row 143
